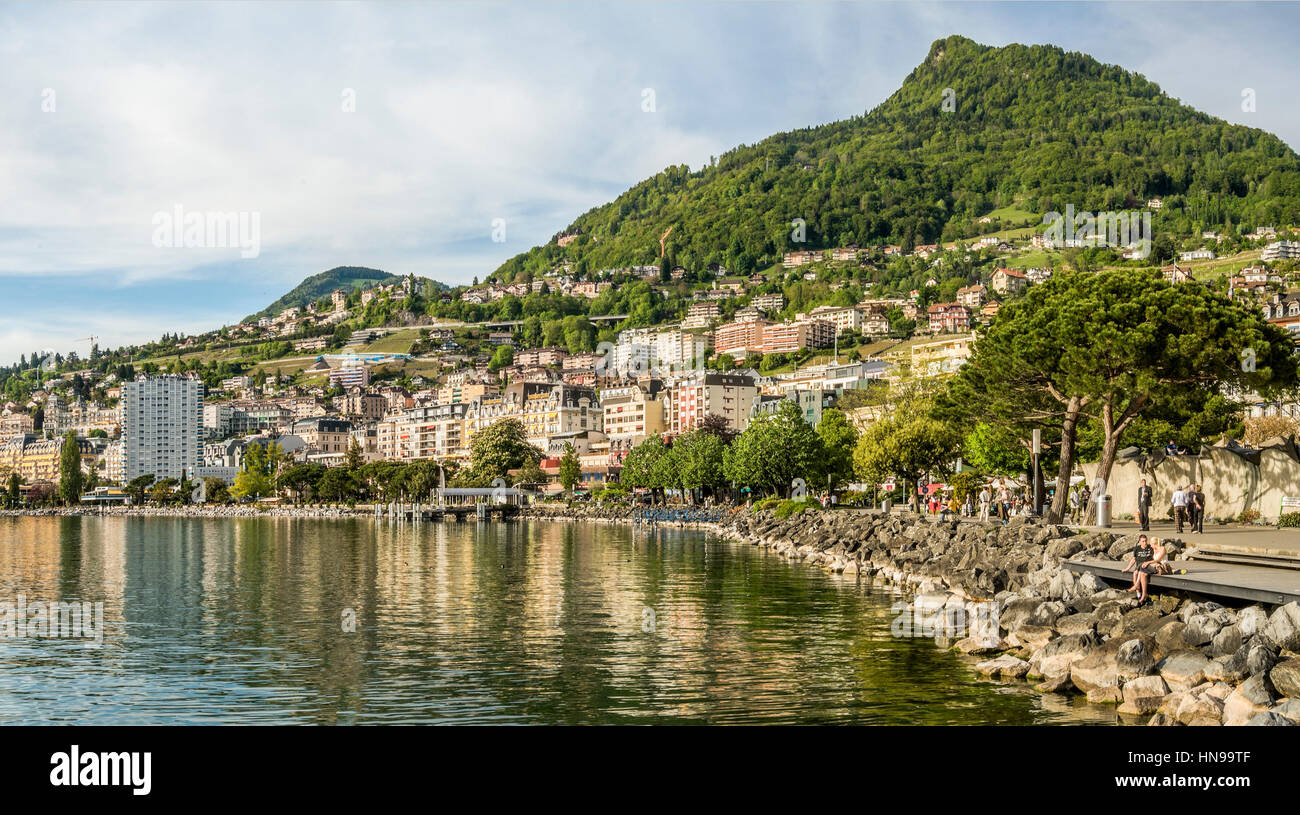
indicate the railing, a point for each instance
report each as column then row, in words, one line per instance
column 657, row 515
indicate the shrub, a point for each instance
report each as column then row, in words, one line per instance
column 785, row 509
column 1289, row 519
column 1248, row 516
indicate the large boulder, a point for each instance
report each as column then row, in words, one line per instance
column 1143, row 694
column 1251, row 620
column 1197, row 709
column 1230, row 668
column 1285, row 677
column 1227, row 641
column 1076, row 624
column 1005, row 666
column 1143, row 621
column 1253, row 696
column 1192, row 609
column 1169, row 638
column 1269, row 719
column 1183, row 670
column 1134, row 659
column 1259, row 658
column 1283, row 627
column 1098, row 669
column 1046, row 613
column 1200, row 629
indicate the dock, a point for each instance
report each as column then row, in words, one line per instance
column 1238, row 581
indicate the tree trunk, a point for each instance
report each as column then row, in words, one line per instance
column 1066, row 467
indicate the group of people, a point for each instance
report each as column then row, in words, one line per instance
column 994, row 500
column 1188, row 504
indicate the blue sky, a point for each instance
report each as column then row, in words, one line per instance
column 464, row 113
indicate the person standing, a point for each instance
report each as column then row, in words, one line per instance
column 1144, row 506
column 1198, row 502
column 1085, row 497
column 986, row 498
column 1179, row 502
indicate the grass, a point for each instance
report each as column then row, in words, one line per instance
column 398, row 342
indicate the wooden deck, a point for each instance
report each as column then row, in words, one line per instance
column 1256, row 584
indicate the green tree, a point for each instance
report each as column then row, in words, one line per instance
column 137, row 487
column 216, row 491
column 1115, row 346
column 643, row 468
column 570, row 468
column 498, row 448
column 839, row 438
column 774, row 450
column 13, row 493
column 908, row 443
column 699, row 458
column 70, row 475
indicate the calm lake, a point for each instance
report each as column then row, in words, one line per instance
column 272, row 621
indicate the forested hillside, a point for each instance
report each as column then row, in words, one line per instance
column 1032, row 127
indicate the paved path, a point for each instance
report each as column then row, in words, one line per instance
column 1259, row 540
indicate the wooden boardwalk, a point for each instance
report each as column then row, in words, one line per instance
column 1257, row 584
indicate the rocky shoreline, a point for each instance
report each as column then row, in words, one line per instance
column 1176, row 661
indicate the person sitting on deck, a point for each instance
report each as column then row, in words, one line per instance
column 1148, row 558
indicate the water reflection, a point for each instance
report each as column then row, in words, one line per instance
column 243, row 621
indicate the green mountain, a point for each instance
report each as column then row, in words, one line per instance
column 973, row 129
column 340, row 277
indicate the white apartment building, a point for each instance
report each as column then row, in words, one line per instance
column 162, row 423
column 1281, row 250
column 648, row 350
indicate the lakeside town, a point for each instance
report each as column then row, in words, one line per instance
column 811, row 331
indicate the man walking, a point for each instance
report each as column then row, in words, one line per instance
column 1144, row 506
column 986, row 498
column 1179, row 501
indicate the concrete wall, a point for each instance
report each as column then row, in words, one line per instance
column 1231, row 482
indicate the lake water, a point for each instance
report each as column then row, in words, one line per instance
column 246, row 621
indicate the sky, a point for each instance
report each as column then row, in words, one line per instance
column 398, row 135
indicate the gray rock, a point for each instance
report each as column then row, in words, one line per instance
column 1199, row 709
column 1200, row 629
column 1143, row 694
column 1285, row 677
column 1269, row 719
column 1169, row 638
column 1076, row 624
column 1227, row 641
column 1046, row 613
column 1283, row 627
column 1005, row 666
column 1259, row 659
column 1251, row 620
column 1097, row 669
column 1251, row 697
column 1230, row 668
column 1133, row 660
column 1183, row 670
column 1290, row 708
column 1192, row 609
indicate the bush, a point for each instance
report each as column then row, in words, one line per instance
column 785, row 509
column 1248, row 516
column 1289, row 519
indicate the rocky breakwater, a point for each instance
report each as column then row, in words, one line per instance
column 601, row 513
column 1178, row 660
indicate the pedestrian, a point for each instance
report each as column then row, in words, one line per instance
column 1198, row 507
column 1074, row 505
column 1179, row 502
column 986, row 498
column 1144, row 506
column 1085, row 497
